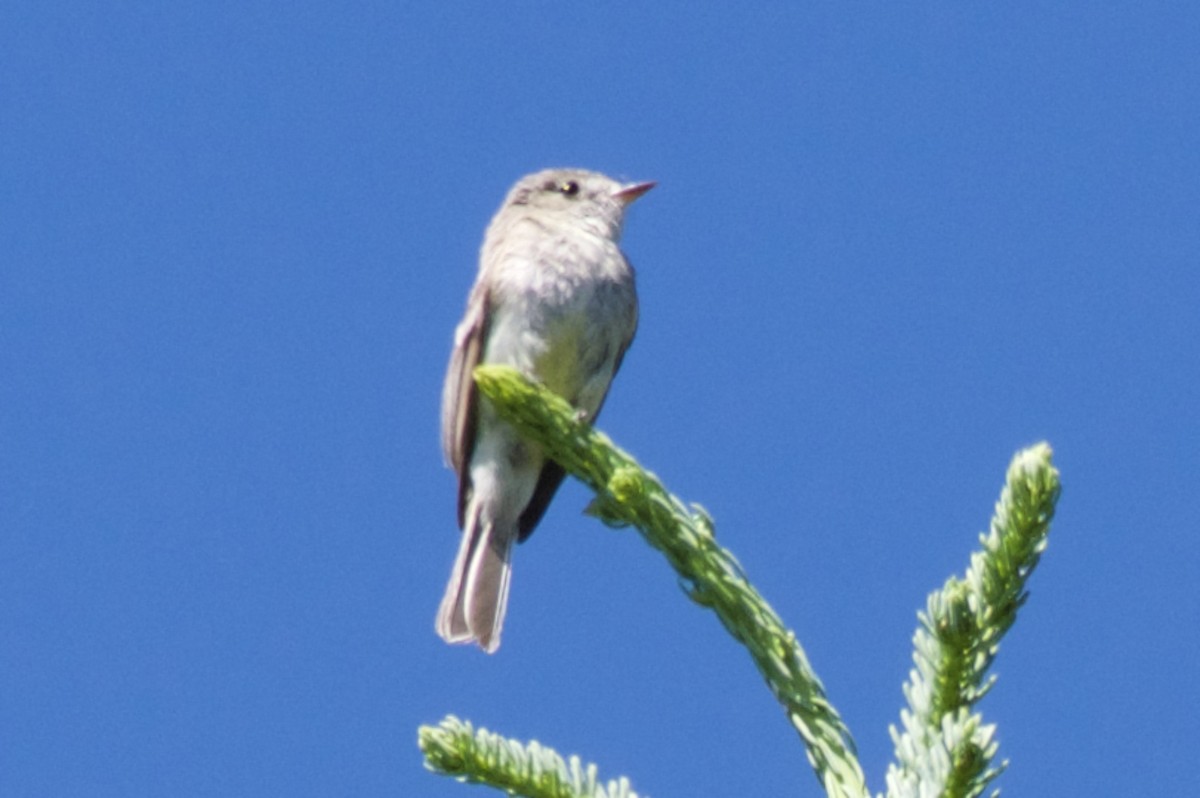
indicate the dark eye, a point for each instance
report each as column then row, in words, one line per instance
column 568, row 188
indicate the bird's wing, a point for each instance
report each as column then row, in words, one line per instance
column 549, row 479
column 459, row 397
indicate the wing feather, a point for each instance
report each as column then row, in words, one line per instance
column 459, row 397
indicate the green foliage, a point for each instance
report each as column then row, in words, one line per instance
column 943, row 750
column 480, row 757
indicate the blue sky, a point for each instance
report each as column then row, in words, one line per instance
column 890, row 246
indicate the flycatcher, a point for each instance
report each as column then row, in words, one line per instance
column 554, row 298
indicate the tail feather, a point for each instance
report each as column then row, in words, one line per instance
column 451, row 617
column 477, row 594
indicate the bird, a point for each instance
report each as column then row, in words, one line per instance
column 555, row 298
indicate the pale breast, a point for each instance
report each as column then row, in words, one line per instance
column 563, row 309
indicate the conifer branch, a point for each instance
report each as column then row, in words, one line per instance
column 454, row 748
column 626, row 494
column 945, row 749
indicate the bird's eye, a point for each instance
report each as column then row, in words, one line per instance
column 568, row 188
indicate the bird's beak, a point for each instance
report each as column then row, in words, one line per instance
column 627, row 194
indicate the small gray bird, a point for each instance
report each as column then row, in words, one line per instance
column 554, row 298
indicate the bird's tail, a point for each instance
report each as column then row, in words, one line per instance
column 477, row 595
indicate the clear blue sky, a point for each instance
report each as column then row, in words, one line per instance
column 890, row 246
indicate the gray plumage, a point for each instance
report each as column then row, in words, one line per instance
column 554, row 298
